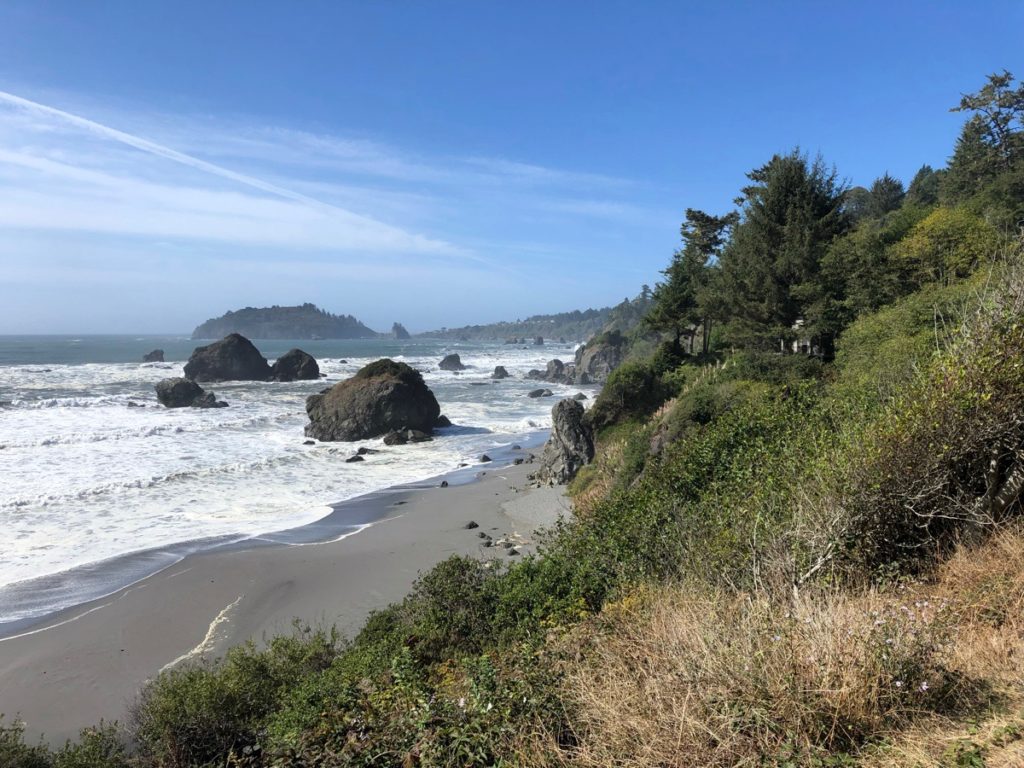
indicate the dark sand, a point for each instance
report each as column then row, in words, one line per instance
column 88, row 662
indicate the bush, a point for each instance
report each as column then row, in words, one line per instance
column 880, row 351
column 15, row 753
column 633, row 390
column 99, row 747
column 450, row 610
column 945, row 458
column 947, row 246
column 200, row 713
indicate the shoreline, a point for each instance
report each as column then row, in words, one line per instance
column 48, row 597
column 81, row 664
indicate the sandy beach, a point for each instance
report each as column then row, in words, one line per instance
column 88, row 663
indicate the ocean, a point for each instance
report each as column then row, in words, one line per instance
column 87, row 480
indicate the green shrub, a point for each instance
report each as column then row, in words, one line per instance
column 100, row 747
column 15, row 753
column 774, row 367
column 633, row 390
column 200, row 713
column 880, row 351
column 450, row 609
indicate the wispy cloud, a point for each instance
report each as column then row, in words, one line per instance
column 84, row 198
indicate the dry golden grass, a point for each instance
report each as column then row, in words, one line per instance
column 907, row 676
column 595, row 481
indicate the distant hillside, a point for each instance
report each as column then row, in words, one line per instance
column 578, row 325
column 303, row 322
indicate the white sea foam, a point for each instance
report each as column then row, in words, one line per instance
column 86, row 477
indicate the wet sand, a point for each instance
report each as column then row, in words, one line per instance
column 88, row 662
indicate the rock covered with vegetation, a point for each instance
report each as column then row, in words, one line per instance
column 398, row 331
column 306, row 321
column 383, row 397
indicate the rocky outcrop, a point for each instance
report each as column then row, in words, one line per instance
column 156, row 356
column 383, row 397
column 556, row 372
column 295, row 365
column 399, row 332
column 570, row 446
column 597, row 359
column 233, row 358
column 540, row 393
column 452, row 362
column 499, row 372
column 403, row 436
column 539, row 341
column 185, row 393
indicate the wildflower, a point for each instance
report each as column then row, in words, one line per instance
column 899, row 683
column 489, row 706
column 462, row 702
column 924, row 686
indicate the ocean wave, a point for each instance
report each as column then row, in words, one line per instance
column 178, row 476
column 153, row 430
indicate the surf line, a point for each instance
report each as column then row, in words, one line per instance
column 211, row 636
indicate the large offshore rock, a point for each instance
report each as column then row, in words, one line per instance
column 570, row 446
column 233, row 358
column 452, row 362
column 597, row 359
column 185, row 393
column 295, row 365
column 156, row 356
column 499, row 372
column 383, row 397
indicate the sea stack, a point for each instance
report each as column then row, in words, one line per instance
column 295, row 365
column 383, row 397
column 233, row 358
column 452, row 362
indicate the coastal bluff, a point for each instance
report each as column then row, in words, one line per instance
column 305, row 321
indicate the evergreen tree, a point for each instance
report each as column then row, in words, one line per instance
column 677, row 301
column 924, row 187
column 974, row 164
column 770, row 271
column 886, row 195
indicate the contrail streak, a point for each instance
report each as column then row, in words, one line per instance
column 160, row 150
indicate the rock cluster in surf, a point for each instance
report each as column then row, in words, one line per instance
column 235, row 358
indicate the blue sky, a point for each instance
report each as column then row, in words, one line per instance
column 436, row 163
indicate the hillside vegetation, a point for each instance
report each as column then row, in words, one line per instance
column 305, row 321
column 777, row 558
column 579, row 325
